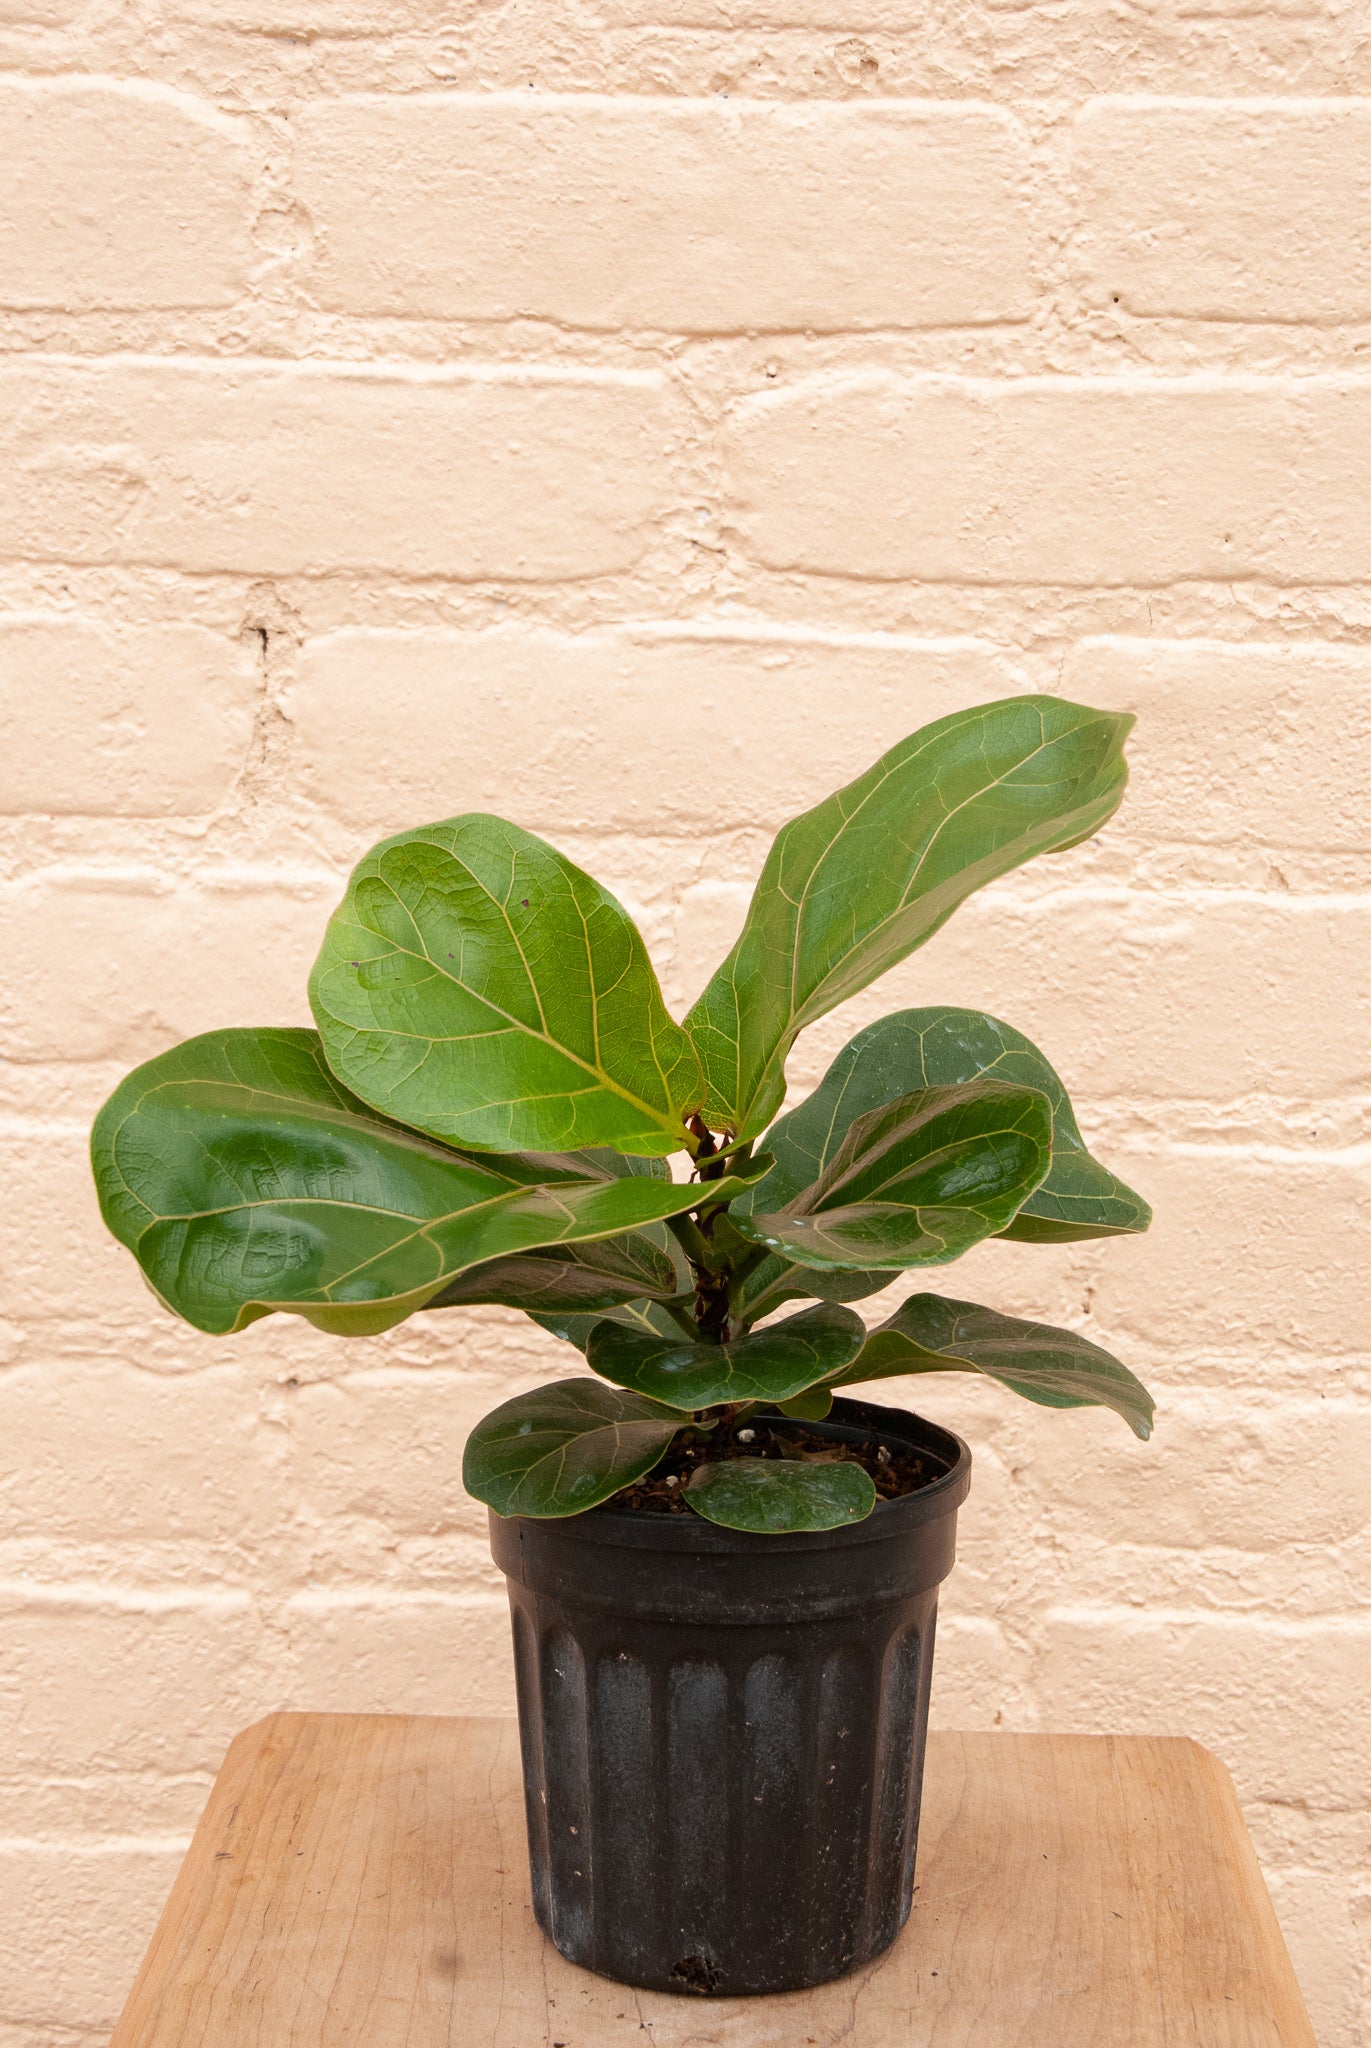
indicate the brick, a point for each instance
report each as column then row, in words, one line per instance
column 381, row 1451
column 1256, row 1497
column 1321, row 11
column 118, row 720
column 1249, row 1688
column 51, row 1225
column 1057, row 480
column 709, row 916
column 40, row 14
column 184, row 1460
column 88, row 1910
column 1249, row 1255
column 850, row 15
column 304, row 469
column 122, row 195
column 1237, row 745
column 1256, row 1264
column 1318, row 1913
column 622, row 730
column 981, row 1677
column 1246, row 210
column 43, row 1807
column 98, row 1679
column 610, row 213
column 383, row 1650
column 309, row 19
column 119, row 966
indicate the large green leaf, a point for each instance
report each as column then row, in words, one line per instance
column 852, row 886
column 565, row 1448
column 771, row 1365
column 584, row 1278
column 780, row 1496
column 581, row 1279
column 1055, row 1367
column 476, row 985
column 917, row 1182
column 937, row 1048
column 245, row 1178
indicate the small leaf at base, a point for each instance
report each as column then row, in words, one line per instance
column 562, row 1449
column 780, row 1496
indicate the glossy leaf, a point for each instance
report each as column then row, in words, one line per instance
column 918, row 1182
column 852, row 886
column 582, row 1278
column 1055, row 1367
column 776, row 1280
column 781, row 1496
column 936, row 1048
column 574, row 1327
column 562, row 1449
column 770, row 1365
column 478, row 986
column 245, row 1178
column 588, row 1278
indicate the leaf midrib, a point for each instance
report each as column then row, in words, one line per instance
column 795, row 1013
column 423, row 1230
column 796, row 1008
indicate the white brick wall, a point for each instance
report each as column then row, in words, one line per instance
column 633, row 416
column 121, row 194
column 535, row 475
column 1061, row 480
column 690, row 215
column 1178, row 197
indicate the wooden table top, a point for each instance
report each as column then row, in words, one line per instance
column 359, row 1881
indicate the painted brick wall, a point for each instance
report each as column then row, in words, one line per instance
column 635, row 416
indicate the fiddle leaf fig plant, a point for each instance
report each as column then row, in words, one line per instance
column 489, row 1106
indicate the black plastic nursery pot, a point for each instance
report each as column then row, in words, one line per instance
column 723, row 1734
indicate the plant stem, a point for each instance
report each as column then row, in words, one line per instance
column 691, row 1239
column 711, row 1308
column 683, row 1319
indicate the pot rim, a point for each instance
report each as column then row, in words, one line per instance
column 628, row 1528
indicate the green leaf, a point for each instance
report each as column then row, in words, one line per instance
column 1054, row 1367
column 476, row 985
column 580, row 1279
column 646, row 1317
column 245, row 1178
column 780, row 1496
column 587, row 1278
column 770, row 1365
column 852, row 886
column 810, row 1406
column 917, row 1182
column 777, row 1280
column 937, row 1048
column 565, row 1448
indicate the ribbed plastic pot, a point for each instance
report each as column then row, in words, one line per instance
column 723, row 1734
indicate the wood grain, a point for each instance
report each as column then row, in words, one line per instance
column 359, row 1881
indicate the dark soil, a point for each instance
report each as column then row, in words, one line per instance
column 895, row 1468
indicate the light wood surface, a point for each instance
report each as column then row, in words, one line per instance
column 359, row 1881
